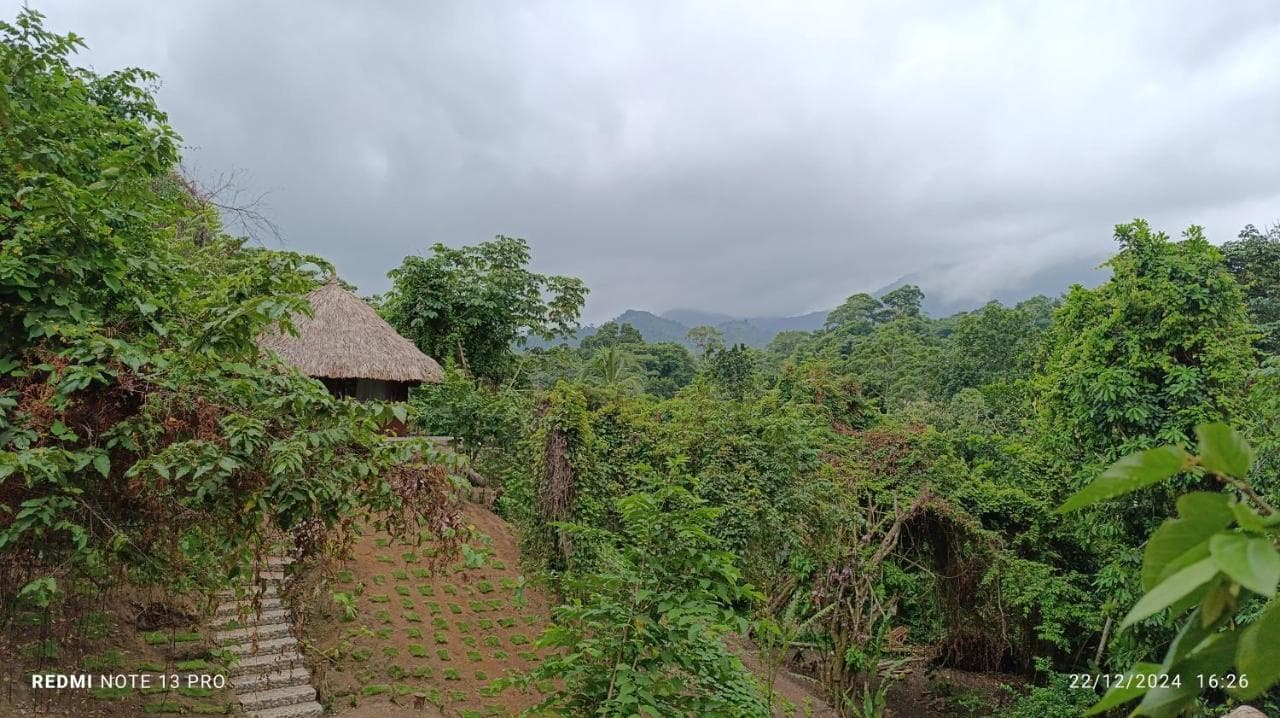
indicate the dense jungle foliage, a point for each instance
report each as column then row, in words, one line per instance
column 887, row 486
column 143, row 436
column 1075, row 484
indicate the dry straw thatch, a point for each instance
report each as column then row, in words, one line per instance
column 346, row 339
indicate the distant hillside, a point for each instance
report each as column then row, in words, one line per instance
column 674, row 325
column 1051, row 281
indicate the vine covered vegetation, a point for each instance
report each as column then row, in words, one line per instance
column 1070, row 487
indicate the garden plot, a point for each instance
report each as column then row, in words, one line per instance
column 407, row 630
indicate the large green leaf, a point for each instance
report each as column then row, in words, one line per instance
column 1131, row 473
column 1250, row 562
column 1224, row 450
column 1122, row 691
column 1181, row 542
column 1171, row 589
column 1212, row 657
column 1258, row 654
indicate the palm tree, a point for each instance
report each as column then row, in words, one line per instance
column 613, row 366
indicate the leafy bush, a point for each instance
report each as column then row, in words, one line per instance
column 1204, row 564
column 642, row 635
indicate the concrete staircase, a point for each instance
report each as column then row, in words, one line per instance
column 269, row 677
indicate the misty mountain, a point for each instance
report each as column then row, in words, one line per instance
column 1050, row 281
column 939, row 301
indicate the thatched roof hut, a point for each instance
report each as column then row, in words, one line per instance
column 351, row 349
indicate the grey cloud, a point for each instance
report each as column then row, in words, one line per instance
column 747, row 158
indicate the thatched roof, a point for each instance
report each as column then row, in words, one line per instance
column 346, row 339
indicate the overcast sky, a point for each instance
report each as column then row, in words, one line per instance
column 749, row 158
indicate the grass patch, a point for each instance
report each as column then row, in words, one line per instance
column 474, row 656
column 382, row 542
column 500, row 655
column 427, row 589
column 383, row 558
column 417, row 650
column 345, row 576
column 421, row 573
column 409, row 557
column 450, row 589
column 110, row 694
column 412, row 617
column 406, row 602
column 441, row 638
column 158, row 638
column 452, row 674
column 375, row 689
column 413, row 632
column 384, row 615
column 498, row 564
column 439, row 622
column 390, row 651
column 361, row 654
column 485, row 587
column 477, row 607
column 443, row 654
column 519, row 640
column 485, row 624
column 400, row 575
column 464, row 627
column 149, row 667
column 423, row 672
column 396, row 673
column 379, row 580
column 527, row 655
column 455, row 609
column 492, row 641
column 164, row 707
column 494, row 604
column 507, row 622
column 383, row 633
column 402, row 590
column 195, row 691
column 109, row 659
column 379, row 598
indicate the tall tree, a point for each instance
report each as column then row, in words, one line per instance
column 477, row 303
column 990, row 344
column 705, row 339
column 612, row 334
column 904, row 301
column 858, row 314
column 1254, row 260
column 1160, row 347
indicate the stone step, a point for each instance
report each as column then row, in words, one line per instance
column 277, row 697
column 251, row 682
column 246, row 635
column 231, row 609
column 267, row 590
column 278, row 562
column 310, row 709
column 266, row 646
column 267, row 662
column 266, row 618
